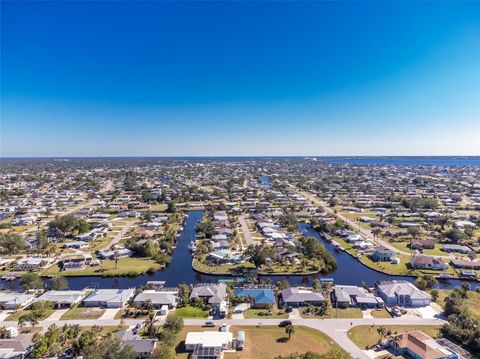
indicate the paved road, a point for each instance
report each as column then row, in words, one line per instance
column 119, row 235
column 246, row 232
column 335, row 328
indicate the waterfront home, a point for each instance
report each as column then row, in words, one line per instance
column 456, row 248
column 62, row 298
column 122, row 252
column 215, row 341
column 421, row 244
column 465, row 264
column 419, row 261
column 224, row 256
column 417, row 344
column 109, row 298
column 401, row 292
column 344, row 296
column 261, row 297
column 14, row 300
column 296, row 297
column 17, row 347
column 30, row 264
column 76, row 261
column 159, row 298
column 215, row 294
column 383, row 254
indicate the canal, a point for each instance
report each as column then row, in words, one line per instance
column 349, row 270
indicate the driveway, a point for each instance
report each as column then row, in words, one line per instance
column 240, row 308
column 109, row 313
column 57, row 314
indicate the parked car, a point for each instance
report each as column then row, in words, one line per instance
column 136, row 328
column 284, row 323
column 289, row 309
column 209, row 324
column 396, row 312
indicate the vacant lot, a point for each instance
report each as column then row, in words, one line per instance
column 16, row 315
column 270, row 341
column 191, row 312
column 365, row 336
column 472, row 302
column 83, row 313
column 125, row 266
column 336, row 313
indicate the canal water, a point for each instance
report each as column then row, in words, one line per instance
column 349, row 270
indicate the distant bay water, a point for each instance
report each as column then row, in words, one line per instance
column 442, row 161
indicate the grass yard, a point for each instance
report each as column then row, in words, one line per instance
column 82, row 313
column 220, row 269
column 131, row 313
column 365, row 336
column 16, row 315
column 269, row 341
column 380, row 313
column 126, row 266
column 191, row 312
column 336, row 313
column 472, row 302
column 256, row 314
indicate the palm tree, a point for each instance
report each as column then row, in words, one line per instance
column 290, row 330
column 376, row 232
column 396, row 340
column 115, row 257
column 150, row 323
column 382, row 331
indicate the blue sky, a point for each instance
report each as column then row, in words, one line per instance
column 239, row 78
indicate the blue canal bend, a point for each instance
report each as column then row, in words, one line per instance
column 349, row 270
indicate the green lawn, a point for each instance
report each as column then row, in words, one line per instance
column 257, row 314
column 83, row 313
column 125, row 266
column 270, row 341
column 380, row 313
column 191, row 312
column 335, row 313
column 365, row 336
column 16, row 315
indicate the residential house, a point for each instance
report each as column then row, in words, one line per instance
column 401, row 292
column 261, row 297
column 159, row 298
column 427, row 262
column 456, row 248
column 214, row 294
column 17, row 347
column 418, row 345
column 14, row 300
column 383, row 254
column 344, row 296
column 421, row 244
column 209, row 339
column 296, row 297
column 63, row 298
column 465, row 264
column 76, row 261
column 109, row 298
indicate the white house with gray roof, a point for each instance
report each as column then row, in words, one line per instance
column 15, row 300
column 214, row 294
column 63, row 298
column 401, row 292
column 296, row 297
column 109, row 298
column 159, row 298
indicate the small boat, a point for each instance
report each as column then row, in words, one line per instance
column 445, row 276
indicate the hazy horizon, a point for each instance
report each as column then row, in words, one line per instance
column 247, row 79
